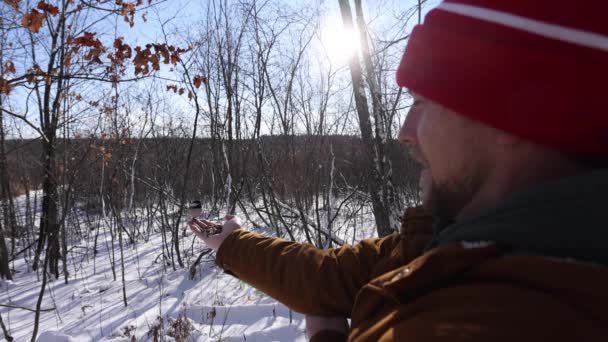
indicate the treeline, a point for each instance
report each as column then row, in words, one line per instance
column 295, row 164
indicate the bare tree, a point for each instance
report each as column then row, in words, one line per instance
column 380, row 186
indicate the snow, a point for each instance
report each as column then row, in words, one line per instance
column 90, row 306
column 55, row 336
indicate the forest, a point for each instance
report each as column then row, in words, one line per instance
column 116, row 114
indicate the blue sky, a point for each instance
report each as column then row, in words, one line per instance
column 185, row 15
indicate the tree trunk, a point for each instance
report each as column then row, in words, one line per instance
column 49, row 227
column 5, row 272
column 8, row 211
column 381, row 125
column 375, row 186
column 40, row 296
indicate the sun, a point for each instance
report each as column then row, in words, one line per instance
column 339, row 43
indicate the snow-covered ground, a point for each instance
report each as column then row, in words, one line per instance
column 217, row 306
column 90, row 307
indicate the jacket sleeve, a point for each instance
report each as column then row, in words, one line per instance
column 304, row 278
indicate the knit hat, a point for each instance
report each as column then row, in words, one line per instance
column 537, row 69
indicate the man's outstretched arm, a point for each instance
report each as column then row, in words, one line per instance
column 306, row 279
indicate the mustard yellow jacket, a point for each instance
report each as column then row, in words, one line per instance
column 394, row 290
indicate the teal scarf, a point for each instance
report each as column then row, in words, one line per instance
column 566, row 218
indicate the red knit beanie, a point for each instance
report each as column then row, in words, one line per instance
column 537, row 69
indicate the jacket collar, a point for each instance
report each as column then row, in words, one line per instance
column 567, row 218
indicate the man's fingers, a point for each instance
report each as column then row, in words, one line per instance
column 194, row 228
column 209, row 224
column 199, row 229
column 203, row 224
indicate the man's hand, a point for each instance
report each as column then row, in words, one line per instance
column 200, row 228
column 315, row 324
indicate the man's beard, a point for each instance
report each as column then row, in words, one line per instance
column 445, row 201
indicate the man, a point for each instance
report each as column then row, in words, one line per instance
column 510, row 124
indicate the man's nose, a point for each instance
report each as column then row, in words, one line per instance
column 407, row 134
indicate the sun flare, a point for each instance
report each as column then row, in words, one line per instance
column 339, row 43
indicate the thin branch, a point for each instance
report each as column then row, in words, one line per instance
column 29, row 123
